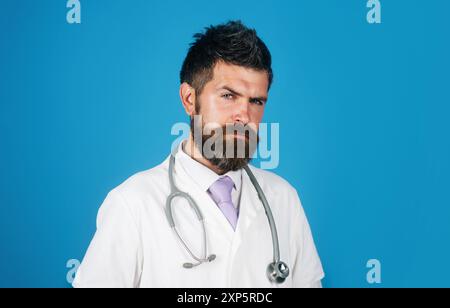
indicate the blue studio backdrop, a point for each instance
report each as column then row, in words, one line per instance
column 363, row 110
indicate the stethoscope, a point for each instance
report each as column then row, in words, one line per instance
column 277, row 271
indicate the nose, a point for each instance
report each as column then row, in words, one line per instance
column 241, row 112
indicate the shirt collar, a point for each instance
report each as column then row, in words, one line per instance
column 202, row 175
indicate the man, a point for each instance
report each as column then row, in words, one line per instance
column 225, row 79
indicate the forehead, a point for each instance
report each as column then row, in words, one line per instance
column 244, row 80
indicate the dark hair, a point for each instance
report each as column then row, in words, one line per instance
column 232, row 43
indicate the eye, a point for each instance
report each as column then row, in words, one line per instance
column 257, row 102
column 228, row 96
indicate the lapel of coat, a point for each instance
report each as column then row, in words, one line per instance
column 250, row 209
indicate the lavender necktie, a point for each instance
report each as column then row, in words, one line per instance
column 220, row 192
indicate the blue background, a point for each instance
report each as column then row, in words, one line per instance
column 363, row 112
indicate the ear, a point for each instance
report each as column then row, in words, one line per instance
column 187, row 96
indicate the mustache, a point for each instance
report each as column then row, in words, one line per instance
column 236, row 130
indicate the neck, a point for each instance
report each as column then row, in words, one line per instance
column 190, row 149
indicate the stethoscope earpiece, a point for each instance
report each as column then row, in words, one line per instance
column 211, row 258
column 191, row 265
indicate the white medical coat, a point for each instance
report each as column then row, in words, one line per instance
column 134, row 245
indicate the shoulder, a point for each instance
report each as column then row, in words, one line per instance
column 134, row 194
column 144, row 181
column 272, row 182
column 282, row 196
column 140, row 189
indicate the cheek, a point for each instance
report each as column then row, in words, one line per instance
column 205, row 109
column 212, row 111
column 256, row 115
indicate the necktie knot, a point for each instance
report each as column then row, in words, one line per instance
column 221, row 190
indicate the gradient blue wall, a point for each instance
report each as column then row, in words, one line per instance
column 363, row 112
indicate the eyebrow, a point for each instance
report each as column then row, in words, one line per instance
column 261, row 98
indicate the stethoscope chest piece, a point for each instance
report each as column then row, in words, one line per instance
column 277, row 272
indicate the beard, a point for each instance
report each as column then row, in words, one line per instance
column 229, row 147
